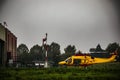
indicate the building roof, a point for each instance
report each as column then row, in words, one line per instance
column 5, row 28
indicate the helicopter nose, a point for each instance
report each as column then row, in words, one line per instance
column 61, row 63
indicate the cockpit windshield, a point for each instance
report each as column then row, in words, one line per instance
column 68, row 60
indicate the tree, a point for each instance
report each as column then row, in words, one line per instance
column 36, row 53
column 24, row 58
column 118, row 57
column 92, row 49
column 65, row 56
column 112, row 47
column 22, row 48
column 97, row 49
column 54, row 53
column 23, row 55
column 70, row 49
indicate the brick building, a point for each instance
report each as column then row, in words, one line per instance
column 8, row 46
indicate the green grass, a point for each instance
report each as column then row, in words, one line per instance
column 107, row 71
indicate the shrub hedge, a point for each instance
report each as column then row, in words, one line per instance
column 107, row 71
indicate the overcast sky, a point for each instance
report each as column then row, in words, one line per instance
column 83, row 23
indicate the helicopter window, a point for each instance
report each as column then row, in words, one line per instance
column 66, row 60
column 92, row 57
column 77, row 62
column 69, row 60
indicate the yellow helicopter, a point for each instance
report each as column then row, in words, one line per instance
column 86, row 60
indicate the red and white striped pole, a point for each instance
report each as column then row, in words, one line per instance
column 45, row 47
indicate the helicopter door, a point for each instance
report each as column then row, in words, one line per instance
column 76, row 62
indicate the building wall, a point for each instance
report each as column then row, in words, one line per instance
column 2, row 52
column 8, row 45
column 11, row 42
column 2, row 32
column 2, row 45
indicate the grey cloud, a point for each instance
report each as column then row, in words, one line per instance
column 83, row 23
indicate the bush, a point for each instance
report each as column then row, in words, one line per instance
column 107, row 71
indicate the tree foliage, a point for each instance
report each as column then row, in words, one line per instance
column 54, row 53
column 24, row 58
column 70, row 49
column 22, row 48
column 22, row 52
column 97, row 49
column 112, row 47
column 36, row 53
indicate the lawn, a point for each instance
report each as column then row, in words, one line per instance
column 107, row 71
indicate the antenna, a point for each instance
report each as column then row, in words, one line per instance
column 5, row 24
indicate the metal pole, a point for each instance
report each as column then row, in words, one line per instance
column 46, row 59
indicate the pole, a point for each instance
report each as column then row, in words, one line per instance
column 45, row 47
